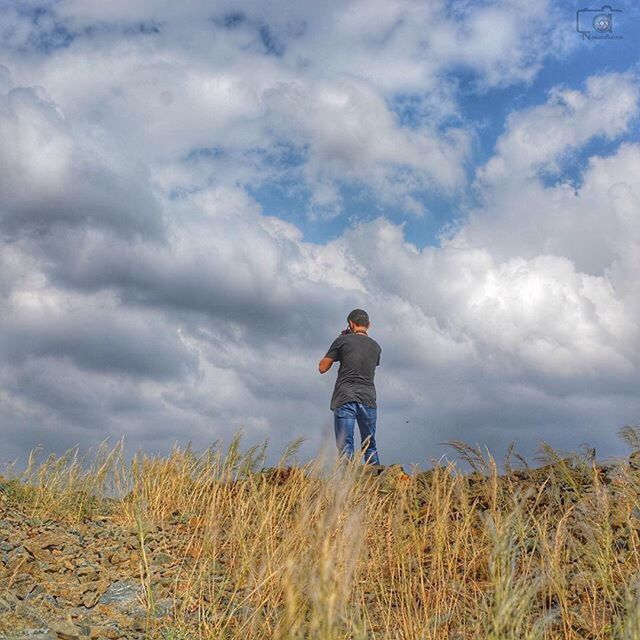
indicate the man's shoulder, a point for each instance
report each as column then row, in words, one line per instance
column 355, row 339
column 375, row 342
column 368, row 344
column 339, row 342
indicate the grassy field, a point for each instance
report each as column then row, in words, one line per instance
column 307, row 551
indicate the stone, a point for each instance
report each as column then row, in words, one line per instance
column 17, row 564
column 48, row 567
column 68, row 631
column 373, row 469
column 36, row 633
column 279, row 475
column 162, row 559
column 163, row 607
column 6, row 604
column 105, row 631
column 393, row 477
column 145, row 526
column 24, row 588
column 139, row 622
column 99, row 586
column 38, row 590
column 29, row 614
column 90, row 599
column 46, row 541
column 118, row 557
column 87, row 572
column 91, row 592
column 123, row 594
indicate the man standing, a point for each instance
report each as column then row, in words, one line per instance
column 354, row 396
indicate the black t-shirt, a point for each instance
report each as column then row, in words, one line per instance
column 359, row 355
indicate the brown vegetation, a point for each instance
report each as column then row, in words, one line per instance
column 203, row 545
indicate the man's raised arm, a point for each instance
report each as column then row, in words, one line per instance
column 331, row 356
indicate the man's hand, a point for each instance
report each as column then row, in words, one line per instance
column 325, row 365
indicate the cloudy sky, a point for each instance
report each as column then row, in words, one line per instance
column 193, row 195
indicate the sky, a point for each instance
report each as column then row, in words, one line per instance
column 194, row 195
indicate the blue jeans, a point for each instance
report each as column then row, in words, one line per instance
column 344, row 419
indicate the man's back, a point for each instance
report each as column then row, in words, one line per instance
column 358, row 355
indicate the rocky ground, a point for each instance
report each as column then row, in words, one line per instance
column 82, row 581
column 91, row 580
column 100, row 579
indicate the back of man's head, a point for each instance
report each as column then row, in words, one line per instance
column 359, row 317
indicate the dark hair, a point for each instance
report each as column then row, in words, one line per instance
column 359, row 317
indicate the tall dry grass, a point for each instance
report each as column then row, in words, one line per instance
column 334, row 552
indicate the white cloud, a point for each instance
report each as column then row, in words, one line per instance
column 538, row 315
column 167, row 79
column 594, row 224
column 504, row 42
column 537, row 138
column 352, row 136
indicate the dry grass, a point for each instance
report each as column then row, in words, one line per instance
column 337, row 553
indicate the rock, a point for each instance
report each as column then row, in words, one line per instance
column 163, row 607
column 68, row 631
column 90, row 599
column 17, row 563
column 6, row 604
column 123, row 595
column 105, row 631
column 97, row 585
column 373, row 469
column 139, row 622
column 91, row 592
column 118, row 557
column 48, row 567
column 36, row 633
column 24, row 588
column 162, row 559
column 85, row 570
column 394, row 477
column 45, row 542
column 279, row 475
column 29, row 614
column 38, row 590
column 145, row 526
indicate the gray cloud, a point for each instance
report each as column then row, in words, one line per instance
column 103, row 340
column 49, row 178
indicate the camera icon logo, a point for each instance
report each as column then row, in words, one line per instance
column 595, row 23
column 602, row 23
